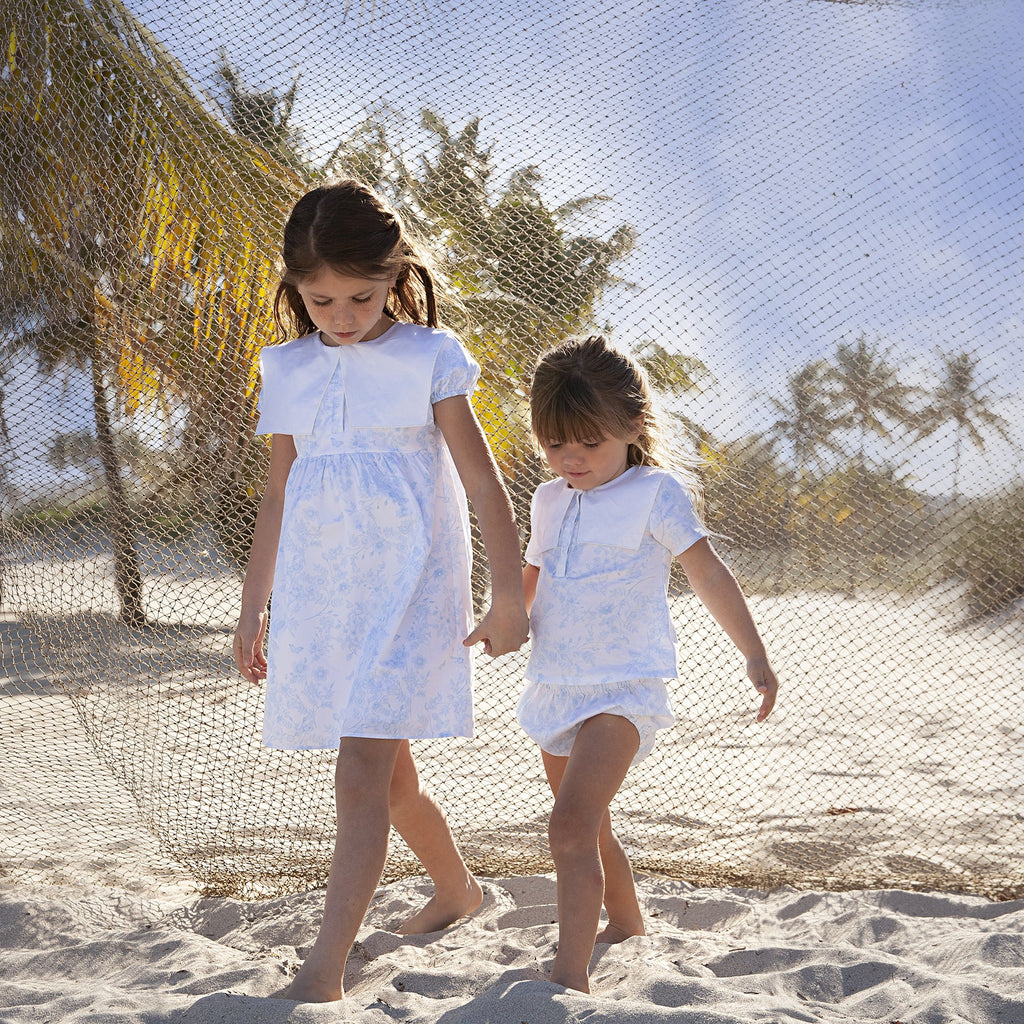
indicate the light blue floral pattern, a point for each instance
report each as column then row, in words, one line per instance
column 551, row 714
column 601, row 612
column 371, row 594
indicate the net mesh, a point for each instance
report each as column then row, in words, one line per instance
column 803, row 216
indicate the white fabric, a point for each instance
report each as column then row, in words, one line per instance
column 552, row 714
column 388, row 380
column 601, row 613
column 371, row 594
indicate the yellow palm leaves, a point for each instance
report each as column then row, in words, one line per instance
column 150, row 219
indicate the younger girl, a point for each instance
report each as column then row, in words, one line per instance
column 363, row 534
column 603, row 536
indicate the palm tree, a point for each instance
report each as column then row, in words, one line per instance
column 868, row 397
column 673, row 372
column 136, row 234
column 804, row 418
column 805, row 426
column 263, row 116
column 961, row 399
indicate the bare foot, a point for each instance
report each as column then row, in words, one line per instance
column 581, row 983
column 618, row 932
column 305, row 988
column 444, row 909
column 309, row 994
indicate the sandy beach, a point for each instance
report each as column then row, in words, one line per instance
column 862, row 774
column 103, row 955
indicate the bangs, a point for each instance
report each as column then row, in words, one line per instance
column 561, row 426
column 570, row 412
column 297, row 275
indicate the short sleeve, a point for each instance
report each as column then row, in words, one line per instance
column 674, row 521
column 455, row 371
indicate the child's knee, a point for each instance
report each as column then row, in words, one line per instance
column 361, row 774
column 571, row 833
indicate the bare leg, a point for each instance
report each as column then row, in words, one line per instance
column 422, row 824
column 361, row 782
column 625, row 918
column 592, row 775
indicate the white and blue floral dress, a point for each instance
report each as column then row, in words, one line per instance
column 371, row 596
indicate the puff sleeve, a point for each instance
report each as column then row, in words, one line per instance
column 455, row 371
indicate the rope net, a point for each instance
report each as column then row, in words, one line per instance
column 803, row 216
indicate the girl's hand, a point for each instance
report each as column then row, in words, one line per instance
column 761, row 674
column 248, row 647
column 504, row 628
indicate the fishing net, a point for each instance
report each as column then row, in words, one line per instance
column 803, row 216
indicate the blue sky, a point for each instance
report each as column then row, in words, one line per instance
column 799, row 171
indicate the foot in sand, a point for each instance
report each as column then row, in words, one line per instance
column 444, row 909
column 570, row 979
column 303, row 990
column 313, row 983
column 619, row 931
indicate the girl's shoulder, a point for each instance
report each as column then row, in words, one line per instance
column 549, row 493
column 402, row 329
column 435, row 345
column 293, row 378
column 288, row 352
column 672, row 488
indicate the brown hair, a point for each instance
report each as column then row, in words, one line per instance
column 585, row 390
column 348, row 228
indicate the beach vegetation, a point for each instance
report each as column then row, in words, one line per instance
column 153, row 223
column 988, row 554
column 966, row 402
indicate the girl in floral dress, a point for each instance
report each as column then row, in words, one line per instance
column 363, row 535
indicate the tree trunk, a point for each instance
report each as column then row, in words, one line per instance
column 127, row 575
column 956, row 468
column 787, row 541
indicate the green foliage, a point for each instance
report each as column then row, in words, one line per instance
column 866, row 391
column 745, row 492
column 843, row 529
column 804, row 421
column 137, row 238
column 860, row 528
column 991, row 557
column 672, row 373
column 961, row 399
column 45, row 520
column 263, row 116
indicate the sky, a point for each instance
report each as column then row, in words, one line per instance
column 800, row 172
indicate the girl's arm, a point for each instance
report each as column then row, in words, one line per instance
column 717, row 588
column 531, row 574
column 505, row 627
column 259, row 574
